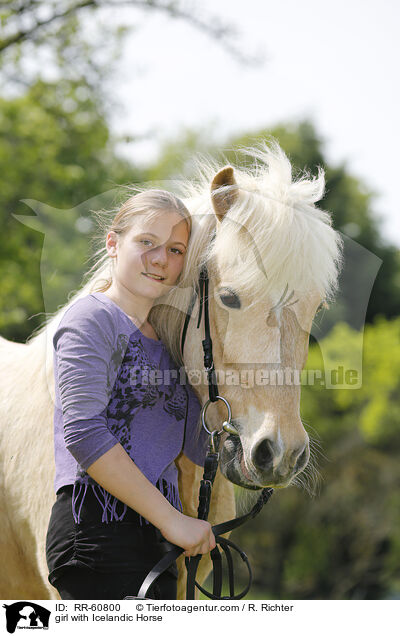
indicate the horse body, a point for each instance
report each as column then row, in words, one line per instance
column 272, row 257
column 27, row 471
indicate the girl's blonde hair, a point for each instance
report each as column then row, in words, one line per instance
column 148, row 204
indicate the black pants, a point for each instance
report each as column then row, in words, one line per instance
column 95, row 560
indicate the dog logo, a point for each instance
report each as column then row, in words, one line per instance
column 26, row 615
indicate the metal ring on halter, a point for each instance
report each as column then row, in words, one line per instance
column 227, row 423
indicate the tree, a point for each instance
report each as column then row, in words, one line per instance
column 81, row 39
column 56, row 149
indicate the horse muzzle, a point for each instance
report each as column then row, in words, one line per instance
column 265, row 469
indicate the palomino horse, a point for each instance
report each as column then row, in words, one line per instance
column 272, row 258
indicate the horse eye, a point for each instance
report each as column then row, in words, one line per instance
column 230, row 299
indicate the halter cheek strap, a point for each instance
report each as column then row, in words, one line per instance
column 202, row 293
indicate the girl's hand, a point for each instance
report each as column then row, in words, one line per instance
column 194, row 535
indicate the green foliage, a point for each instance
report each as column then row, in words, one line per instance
column 373, row 410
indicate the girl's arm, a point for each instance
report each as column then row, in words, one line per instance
column 86, row 344
column 119, row 475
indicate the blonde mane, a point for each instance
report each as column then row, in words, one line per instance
column 294, row 239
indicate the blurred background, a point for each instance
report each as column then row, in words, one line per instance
column 96, row 94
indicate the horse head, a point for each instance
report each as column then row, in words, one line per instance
column 272, row 258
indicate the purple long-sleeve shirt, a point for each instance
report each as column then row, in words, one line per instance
column 115, row 385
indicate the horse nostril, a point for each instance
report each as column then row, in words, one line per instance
column 263, row 454
column 302, row 459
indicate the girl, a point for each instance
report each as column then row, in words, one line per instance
column 118, row 423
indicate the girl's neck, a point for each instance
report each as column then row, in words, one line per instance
column 137, row 311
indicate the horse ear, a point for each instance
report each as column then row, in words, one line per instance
column 224, row 191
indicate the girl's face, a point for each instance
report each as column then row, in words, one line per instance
column 150, row 256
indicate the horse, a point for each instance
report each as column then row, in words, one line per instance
column 273, row 258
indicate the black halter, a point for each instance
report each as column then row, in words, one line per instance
column 207, row 342
column 210, row 470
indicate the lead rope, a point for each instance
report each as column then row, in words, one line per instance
column 192, row 563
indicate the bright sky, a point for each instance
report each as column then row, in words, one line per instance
column 333, row 61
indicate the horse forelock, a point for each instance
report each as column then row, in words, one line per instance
column 274, row 235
